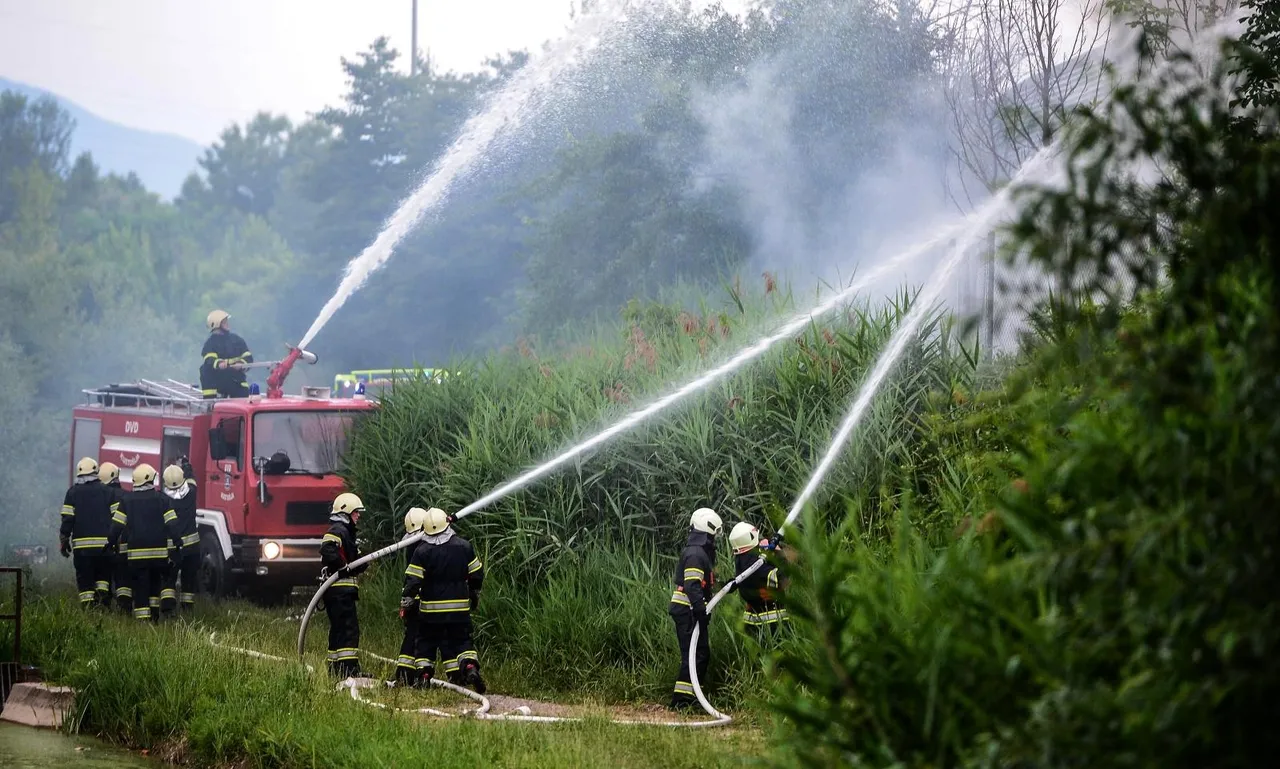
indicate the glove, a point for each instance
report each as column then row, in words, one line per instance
column 475, row 600
column 64, row 547
column 358, row 570
column 221, row 364
column 113, row 549
column 407, row 607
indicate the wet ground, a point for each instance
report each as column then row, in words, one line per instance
column 23, row 747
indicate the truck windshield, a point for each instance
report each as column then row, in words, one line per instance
column 314, row 440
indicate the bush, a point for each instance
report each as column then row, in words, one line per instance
column 1122, row 612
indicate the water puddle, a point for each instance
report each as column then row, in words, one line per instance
column 22, row 747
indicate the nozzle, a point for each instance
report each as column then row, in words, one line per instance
column 305, row 356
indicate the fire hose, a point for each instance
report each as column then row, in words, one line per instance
column 718, row 718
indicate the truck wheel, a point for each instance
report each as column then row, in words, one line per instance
column 214, row 574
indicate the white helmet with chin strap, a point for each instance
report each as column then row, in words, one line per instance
column 706, row 520
column 744, row 537
column 435, row 522
column 345, row 507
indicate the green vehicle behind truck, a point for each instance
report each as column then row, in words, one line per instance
column 376, row 380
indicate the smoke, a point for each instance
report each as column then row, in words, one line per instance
column 750, row 147
column 822, row 206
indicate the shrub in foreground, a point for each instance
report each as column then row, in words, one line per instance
column 1123, row 613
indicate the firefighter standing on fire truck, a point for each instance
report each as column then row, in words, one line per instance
column 695, row 583
column 443, row 584
column 109, row 475
column 180, row 488
column 147, row 518
column 86, row 524
column 337, row 550
column 221, row 372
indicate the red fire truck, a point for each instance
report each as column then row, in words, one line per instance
column 265, row 469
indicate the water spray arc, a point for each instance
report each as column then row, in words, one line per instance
column 785, row 331
column 1042, row 167
column 503, row 112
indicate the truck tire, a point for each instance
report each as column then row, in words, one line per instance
column 215, row 577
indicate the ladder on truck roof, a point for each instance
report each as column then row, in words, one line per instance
column 170, row 396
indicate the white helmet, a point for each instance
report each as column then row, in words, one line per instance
column 705, row 519
column 414, row 519
column 173, row 477
column 85, row 467
column 436, row 521
column 743, row 537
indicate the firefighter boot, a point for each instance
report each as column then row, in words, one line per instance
column 425, row 674
column 471, row 677
column 346, row 669
column 407, row 676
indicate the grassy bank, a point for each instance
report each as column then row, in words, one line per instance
column 167, row 688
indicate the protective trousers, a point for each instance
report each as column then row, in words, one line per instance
column 407, row 667
column 685, row 622
column 181, row 584
column 93, row 577
column 148, row 581
column 123, row 579
column 344, row 631
column 452, row 642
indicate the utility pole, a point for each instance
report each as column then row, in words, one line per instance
column 413, row 46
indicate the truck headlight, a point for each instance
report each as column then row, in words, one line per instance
column 270, row 550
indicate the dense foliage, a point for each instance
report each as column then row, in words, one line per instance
column 1118, row 609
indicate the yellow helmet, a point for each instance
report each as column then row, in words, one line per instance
column 414, row 520
column 86, row 466
column 346, row 504
column 436, row 522
column 173, row 477
column 144, row 475
column 108, row 473
column 215, row 319
column 743, row 537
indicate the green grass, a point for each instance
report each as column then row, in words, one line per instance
column 150, row 687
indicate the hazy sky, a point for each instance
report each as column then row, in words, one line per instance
column 190, row 67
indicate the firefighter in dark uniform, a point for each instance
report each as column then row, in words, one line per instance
column 337, row 549
column 146, row 517
column 221, row 372
column 763, row 613
column 180, row 488
column 86, row 523
column 695, row 584
column 443, row 584
column 109, row 475
column 407, row 673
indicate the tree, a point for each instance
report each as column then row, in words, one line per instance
column 1171, row 24
column 1016, row 68
column 242, row 169
column 33, row 134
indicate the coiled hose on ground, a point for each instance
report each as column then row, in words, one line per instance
column 482, row 712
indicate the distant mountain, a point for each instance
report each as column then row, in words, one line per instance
column 162, row 161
